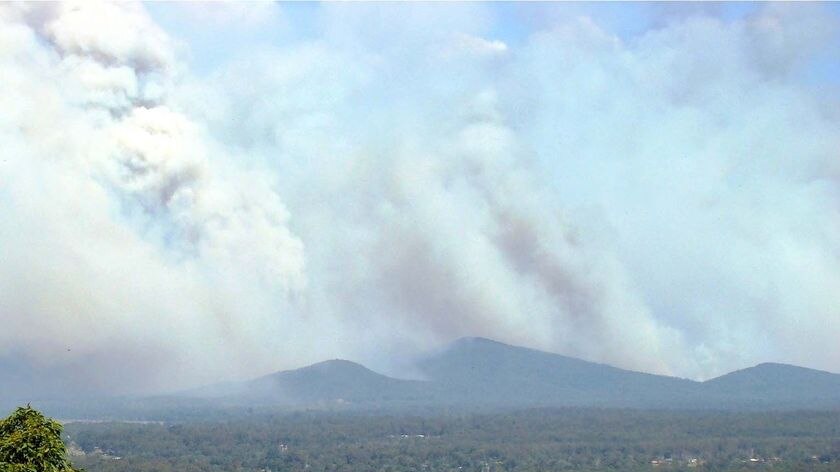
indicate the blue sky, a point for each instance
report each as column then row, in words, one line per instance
column 512, row 22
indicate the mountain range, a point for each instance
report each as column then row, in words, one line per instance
column 481, row 373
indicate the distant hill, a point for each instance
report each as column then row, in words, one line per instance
column 479, row 369
column 776, row 386
column 333, row 381
column 485, row 374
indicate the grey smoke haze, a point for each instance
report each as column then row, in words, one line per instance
column 667, row 202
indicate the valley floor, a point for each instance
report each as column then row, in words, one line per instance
column 532, row 440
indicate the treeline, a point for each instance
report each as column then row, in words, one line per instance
column 535, row 440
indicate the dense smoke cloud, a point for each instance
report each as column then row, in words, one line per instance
column 665, row 202
column 129, row 239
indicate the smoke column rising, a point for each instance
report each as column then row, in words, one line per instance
column 665, row 202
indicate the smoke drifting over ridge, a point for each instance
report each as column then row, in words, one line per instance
column 667, row 202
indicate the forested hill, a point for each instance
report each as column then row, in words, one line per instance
column 771, row 385
column 334, row 380
column 481, row 373
column 501, row 374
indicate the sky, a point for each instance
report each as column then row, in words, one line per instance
column 197, row 192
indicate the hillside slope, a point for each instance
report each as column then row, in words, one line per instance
column 485, row 374
column 776, row 386
column 480, row 369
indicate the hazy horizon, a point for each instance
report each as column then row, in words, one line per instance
column 194, row 193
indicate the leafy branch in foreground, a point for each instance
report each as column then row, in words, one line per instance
column 31, row 442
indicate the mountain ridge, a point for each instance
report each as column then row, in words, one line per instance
column 481, row 372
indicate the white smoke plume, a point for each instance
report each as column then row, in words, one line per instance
column 666, row 202
column 128, row 237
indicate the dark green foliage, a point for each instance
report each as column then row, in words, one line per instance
column 534, row 440
column 31, row 442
